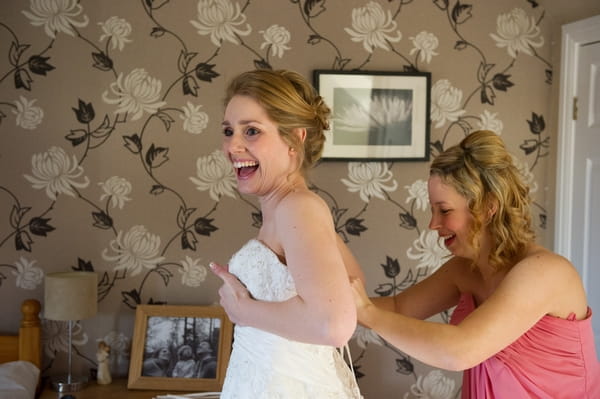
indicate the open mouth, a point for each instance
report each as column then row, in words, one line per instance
column 448, row 240
column 244, row 169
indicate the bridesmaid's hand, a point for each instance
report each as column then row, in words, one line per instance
column 361, row 299
column 232, row 293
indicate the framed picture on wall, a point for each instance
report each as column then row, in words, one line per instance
column 180, row 348
column 376, row 115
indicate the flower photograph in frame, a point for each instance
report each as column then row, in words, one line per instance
column 180, row 348
column 376, row 115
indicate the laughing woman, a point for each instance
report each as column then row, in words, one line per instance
column 522, row 327
column 295, row 305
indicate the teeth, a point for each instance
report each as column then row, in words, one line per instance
column 244, row 164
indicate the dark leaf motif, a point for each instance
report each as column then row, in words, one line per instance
column 404, row 366
column 461, row 13
column 23, row 241
column 39, row 226
column 357, row 373
column 548, row 73
column 188, row 241
column 354, row 226
column 183, row 215
column 131, row 298
column 340, row 63
column 15, row 52
column 543, row 219
column 2, row 278
column 460, row 45
column 104, row 286
column 385, row 289
column 166, row 119
column 204, row 226
column 157, row 32
column 464, row 125
column 157, row 189
column 190, row 86
column 133, row 143
column 156, row 156
column 22, row 79
column 104, row 129
column 314, row 39
column 102, row 61
column 205, row 72
column 487, row 94
column 407, row 221
column 533, row 3
column 436, row 147
column 501, row 82
column 391, row 267
column 184, row 60
column 314, row 8
column 83, row 266
column 102, row 220
column 165, row 274
column 262, row 64
column 257, row 219
column 156, row 4
column 483, row 71
column 84, row 112
column 537, row 123
column 16, row 215
column 442, row 4
column 529, row 146
column 76, row 137
column 39, row 65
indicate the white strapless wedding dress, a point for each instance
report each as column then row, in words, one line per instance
column 267, row 366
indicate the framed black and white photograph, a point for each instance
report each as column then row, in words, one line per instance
column 376, row 115
column 183, row 348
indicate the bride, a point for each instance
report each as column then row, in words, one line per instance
column 287, row 290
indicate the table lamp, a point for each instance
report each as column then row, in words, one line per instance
column 70, row 296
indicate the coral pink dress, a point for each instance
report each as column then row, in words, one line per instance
column 555, row 359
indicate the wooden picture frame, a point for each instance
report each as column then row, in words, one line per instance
column 376, row 115
column 161, row 335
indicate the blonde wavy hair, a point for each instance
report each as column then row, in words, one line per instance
column 291, row 102
column 481, row 170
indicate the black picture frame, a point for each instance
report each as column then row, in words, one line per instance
column 376, row 115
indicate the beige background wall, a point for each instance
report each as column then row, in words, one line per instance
column 109, row 163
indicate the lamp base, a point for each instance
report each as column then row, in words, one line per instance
column 66, row 383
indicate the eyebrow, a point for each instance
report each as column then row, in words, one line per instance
column 242, row 122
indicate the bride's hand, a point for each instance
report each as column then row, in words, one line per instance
column 232, row 293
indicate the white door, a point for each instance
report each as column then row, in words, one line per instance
column 577, row 232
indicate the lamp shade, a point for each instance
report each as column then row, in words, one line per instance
column 70, row 295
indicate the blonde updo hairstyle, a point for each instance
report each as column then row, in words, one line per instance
column 291, row 102
column 481, row 170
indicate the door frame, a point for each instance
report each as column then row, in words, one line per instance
column 574, row 35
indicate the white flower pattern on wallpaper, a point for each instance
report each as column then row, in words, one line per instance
column 428, row 251
column 135, row 250
column 445, row 103
column 369, row 179
column 194, row 120
column 192, row 272
column 215, row 175
column 135, row 94
column 28, row 116
column 117, row 30
column 56, row 16
column 374, row 27
column 116, row 189
column 56, row 173
column 365, row 336
column 382, row 110
column 418, row 192
column 425, row 44
column 28, row 276
column 55, row 337
column 435, row 385
column 525, row 171
column 489, row 121
column 277, row 39
column 221, row 20
column 517, row 32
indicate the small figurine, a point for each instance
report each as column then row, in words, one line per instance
column 102, row 355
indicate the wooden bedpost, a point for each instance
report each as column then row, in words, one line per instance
column 30, row 343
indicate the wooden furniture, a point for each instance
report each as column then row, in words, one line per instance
column 117, row 390
column 27, row 345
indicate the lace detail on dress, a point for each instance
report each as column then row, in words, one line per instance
column 267, row 366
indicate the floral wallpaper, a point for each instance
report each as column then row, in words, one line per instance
column 110, row 148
